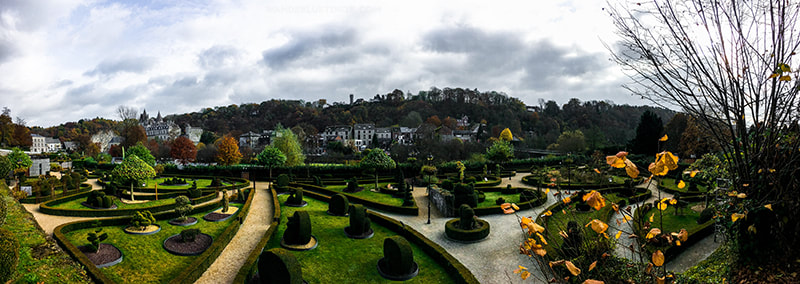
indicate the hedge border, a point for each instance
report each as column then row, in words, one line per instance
column 247, row 270
column 403, row 210
column 526, row 180
column 32, row 199
column 453, row 267
column 493, row 210
column 239, row 182
column 695, row 235
column 195, row 269
column 94, row 213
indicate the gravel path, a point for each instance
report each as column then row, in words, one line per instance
column 225, row 267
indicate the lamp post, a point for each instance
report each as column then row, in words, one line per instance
column 430, row 159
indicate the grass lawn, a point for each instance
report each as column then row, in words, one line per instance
column 48, row 267
column 76, row 204
column 492, row 196
column 384, row 198
column 672, row 184
column 145, row 260
column 687, row 219
column 339, row 259
column 201, row 183
column 558, row 222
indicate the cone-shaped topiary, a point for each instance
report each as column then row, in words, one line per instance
column 339, row 205
column 9, row 255
column 398, row 259
column 298, row 229
column 278, row 265
column 359, row 221
column 408, row 198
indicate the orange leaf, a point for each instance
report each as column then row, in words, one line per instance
column 548, row 213
column 615, row 207
column 595, row 200
column 681, row 184
column 591, row 266
column 785, row 78
column 683, row 235
column 653, row 233
column 524, row 275
column 658, row 258
column 630, row 169
column 736, row 216
column 768, row 206
column 662, row 206
column 592, row 281
column 673, row 201
column 546, row 190
column 693, row 173
column 651, row 217
column 567, row 200
column 520, row 269
column 596, row 170
column 598, row 226
column 572, row 268
column 741, row 195
column 662, row 139
column 615, row 161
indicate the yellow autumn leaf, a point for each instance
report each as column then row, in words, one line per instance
column 683, row 235
column 619, row 233
column 615, row 207
column 572, row 268
column 520, row 269
column 563, row 234
column 673, row 201
column 591, row 266
column 785, row 78
column 544, row 242
column 693, row 173
column 662, row 206
column 732, row 193
column 626, row 218
column 595, row 200
column 661, row 280
column 524, row 275
column 678, row 243
column 596, row 170
column 657, row 169
column 630, row 169
column 546, row 190
column 741, row 195
column 598, row 226
column 514, row 205
column 773, row 75
column 653, row 233
column 681, row 184
column 651, row 217
column 736, row 216
column 567, row 200
column 658, row 258
column 768, row 206
column 615, row 161
column 662, row 139
column 548, row 213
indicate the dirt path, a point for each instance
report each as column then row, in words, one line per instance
column 225, row 267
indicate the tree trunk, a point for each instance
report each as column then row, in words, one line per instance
column 132, row 192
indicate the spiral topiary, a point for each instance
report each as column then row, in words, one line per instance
column 339, row 205
column 359, row 222
column 278, row 265
column 9, row 255
column 298, row 229
column 398, row 259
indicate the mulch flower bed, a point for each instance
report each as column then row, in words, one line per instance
column 106, row 254
column 216, row 217
column 201, row 242
column 187, row 222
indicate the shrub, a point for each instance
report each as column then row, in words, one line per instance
column 447, row 184
column 278, row 265
column 142, row 219
column 499, row 201
column 282, row 181
column 318, row 181
column 467, row 217
column 240, row 196
column 508, row 190
column 296, row 197
column 298, row 229
column 99, row 199
column 359, row 220
column 189, row 235
column 110, row 189
column 338, row 205
column 705, row 215
column 408, row 197
column 215, row 182
column 67, row 181
column 193, row 191
column 184, row 206
column 107, row 201
column 398, row 255
column 9, row 255
column 3, row 211
column 465, row 194
column 352, row 184
column 95, row 238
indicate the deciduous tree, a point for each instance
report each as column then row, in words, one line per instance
column 500, row 151
column 271, row 157
column 142, row 152
column 287, row 142
column 183, row 150
column 228, row 151
column 377, row 160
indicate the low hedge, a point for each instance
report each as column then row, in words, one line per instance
column 483, row 211
column 454, row 267
column 249, row 267
column 695, row 235
column 238, row 183
column 48, row 207
column 455, row 233
column 195, row 269
column 33, row 199
column 403, row 210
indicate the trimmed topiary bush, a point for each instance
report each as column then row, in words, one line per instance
column 189, row 235
column 278, row 265
column 359, row 222
column 574, row 240
column 705, row 215
column 142, row 219
column 398, row 260
column 193, row 191
column 225, row 201
column 183, row 207
column 352, row 185
column 465, row 194
column 296, row 198
column 282, row 181
column 499, row 201
column 99, row 199
column 468, row 228
column 9, row 255
column 95, row 238
column 216, row 182
column 298, row 229
column 3, row 211
column 339, row 205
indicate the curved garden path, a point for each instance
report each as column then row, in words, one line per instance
column 494, row 259
column 225, row 267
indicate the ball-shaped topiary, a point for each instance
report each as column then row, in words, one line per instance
column 9, row 255
column 278, row 265
column 339, row 205
column 282, row 181
column 360, row 225
column 298, row 229
column 398, row 259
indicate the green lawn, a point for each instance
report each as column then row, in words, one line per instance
column 201, row 183
column 339, row 259
column 145, row 260
column 492, row 196
column 687, row 219
column 52, row 267
column 76, row 204
column 558, row 222
column 672, row 184
column 384, row 198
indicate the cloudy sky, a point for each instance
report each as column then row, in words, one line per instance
column 64, row 60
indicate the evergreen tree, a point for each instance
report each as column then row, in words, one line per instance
column 647, row 134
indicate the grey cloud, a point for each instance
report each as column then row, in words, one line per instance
column 216, row 56
column 548, row 65
column 7, row 49
column 131, row 64
column 307, row 43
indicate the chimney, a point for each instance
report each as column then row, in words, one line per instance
column 351, row 99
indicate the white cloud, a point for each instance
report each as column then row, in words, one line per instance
column 87, row 57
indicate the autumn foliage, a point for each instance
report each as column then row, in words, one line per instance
column 228, row 151
column 183, row 150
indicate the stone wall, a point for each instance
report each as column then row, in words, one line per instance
column 443, row 200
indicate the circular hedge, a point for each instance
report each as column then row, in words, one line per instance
column 452, row 231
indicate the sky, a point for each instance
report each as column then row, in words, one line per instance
column 65, row 60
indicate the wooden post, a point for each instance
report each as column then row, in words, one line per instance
column 156, row 190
